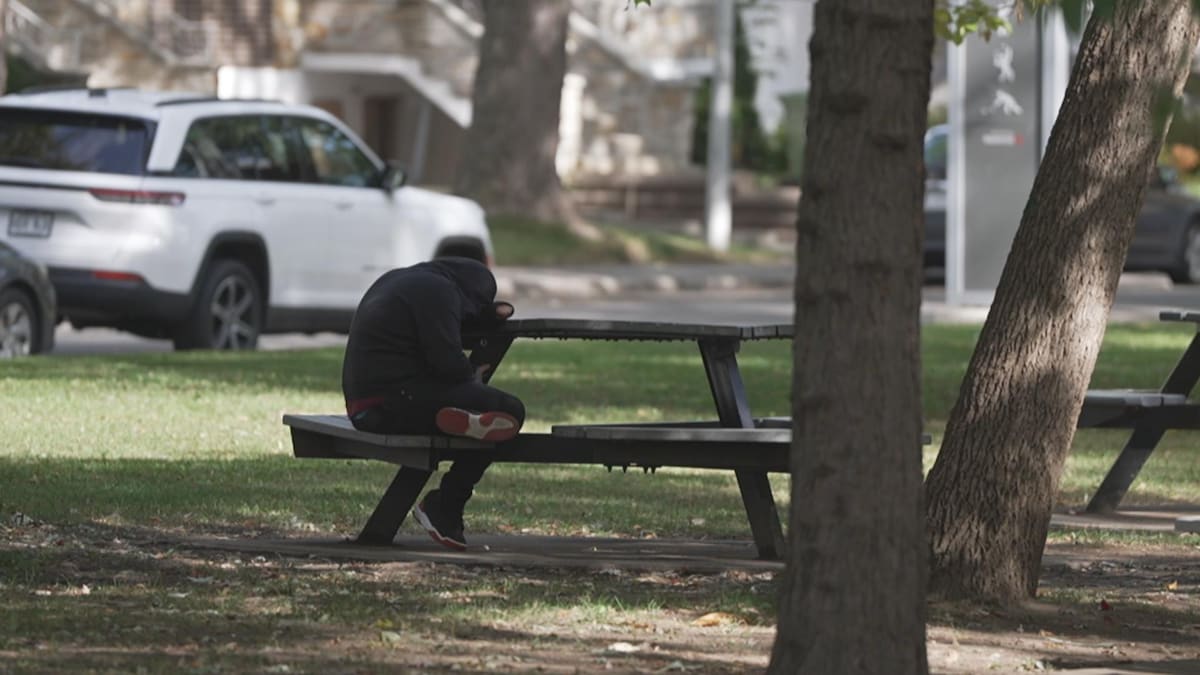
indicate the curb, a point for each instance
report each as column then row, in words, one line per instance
column 574, row 283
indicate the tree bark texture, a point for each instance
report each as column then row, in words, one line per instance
column 508, row 165
column 3, row 49
column 853, row 593
column 992, row 488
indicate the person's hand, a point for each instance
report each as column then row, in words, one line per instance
column 480, row 370
column 503, row 310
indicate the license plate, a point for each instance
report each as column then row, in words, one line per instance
column 30, row 223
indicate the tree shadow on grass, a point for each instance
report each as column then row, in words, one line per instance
column 276, row 494
column 150, row 606
column 87, row 599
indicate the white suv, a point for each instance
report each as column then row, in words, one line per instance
column 211, row 221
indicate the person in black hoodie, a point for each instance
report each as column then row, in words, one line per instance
column 405, row 373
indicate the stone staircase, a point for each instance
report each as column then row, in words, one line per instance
column 432, row 44
column 37, row 40
column 172, row 39
column 101, row 38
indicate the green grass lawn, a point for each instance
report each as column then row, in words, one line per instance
column 112, row 453
column 195, row 440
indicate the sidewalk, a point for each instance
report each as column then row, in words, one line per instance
column 1140, row 296
column 598, row 281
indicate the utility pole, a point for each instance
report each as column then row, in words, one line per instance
column 718, row 209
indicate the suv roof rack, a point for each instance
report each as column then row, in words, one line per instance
column 50, row 88
column 186, row 99
column 211, row 99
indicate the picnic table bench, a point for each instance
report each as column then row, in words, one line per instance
column 735, row 440
column 1149, row 413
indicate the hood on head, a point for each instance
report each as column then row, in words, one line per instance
column 474, row 280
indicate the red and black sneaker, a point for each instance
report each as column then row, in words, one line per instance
column 484, row 426
column 443, row 526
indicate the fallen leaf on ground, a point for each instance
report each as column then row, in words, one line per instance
column 623, row 648
column 716, row 619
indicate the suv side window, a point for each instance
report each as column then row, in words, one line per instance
column 335, row 159
column 223, row 147
column 286, row 159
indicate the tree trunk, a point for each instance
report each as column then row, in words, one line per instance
column 991, row 491
column 509, row 163
column 853, row 596
column 3, row 48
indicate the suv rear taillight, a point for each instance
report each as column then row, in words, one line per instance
column 106, row 275
column 138, row 196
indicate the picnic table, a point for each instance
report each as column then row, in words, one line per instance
column 1149, row 413
column 735, row 440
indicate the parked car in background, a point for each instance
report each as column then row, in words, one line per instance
column 28, row 311
column 1166, row 239
column 211, row 221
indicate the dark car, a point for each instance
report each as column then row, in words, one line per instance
column 28, row 310
column 1167, row 238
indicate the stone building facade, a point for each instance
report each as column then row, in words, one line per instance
column 398, row 71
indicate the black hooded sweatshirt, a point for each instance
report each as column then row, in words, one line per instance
column 408, row 326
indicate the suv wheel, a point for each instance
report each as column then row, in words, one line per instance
column 228, row 311
column 18, row 324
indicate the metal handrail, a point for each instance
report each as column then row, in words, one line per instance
column 24, row 25
column 175, row 38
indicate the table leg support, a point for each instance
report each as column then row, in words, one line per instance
column 729, row 395
column 389, row 514
column 1123, row 472
column 763, row 516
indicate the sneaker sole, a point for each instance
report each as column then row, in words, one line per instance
column 433, row 532
column 487, row 426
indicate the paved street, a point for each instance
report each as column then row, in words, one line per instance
column 730, row 307
column 1140, row 298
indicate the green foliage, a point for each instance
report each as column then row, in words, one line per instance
column 938, row 114
column 1166, row 106
column 23, row 75
column 752, row 148
column 1182, row 143
column 955, row 22
column 1073, row 14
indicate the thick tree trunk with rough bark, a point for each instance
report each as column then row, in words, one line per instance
column 508, row 165
column 853, row 596
column 991, row 491
column 3, row 49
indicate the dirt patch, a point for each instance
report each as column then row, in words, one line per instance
column 1118, row 607
column 103, row 599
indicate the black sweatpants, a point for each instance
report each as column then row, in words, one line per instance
column 412, row 409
